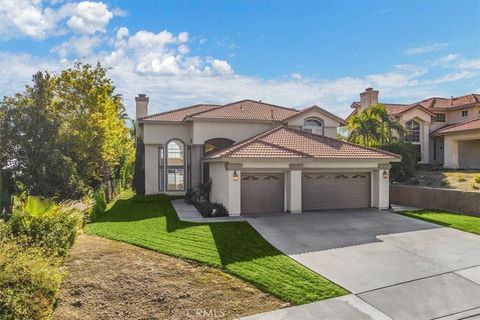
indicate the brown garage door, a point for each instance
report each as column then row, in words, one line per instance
column 262, row 192
column 335, row 190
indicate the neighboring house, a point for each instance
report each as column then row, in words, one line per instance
column 446, row 131
column 261, row 157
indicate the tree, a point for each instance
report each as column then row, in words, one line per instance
column 374, row 127
column 65, row 134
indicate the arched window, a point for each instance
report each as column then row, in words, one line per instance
column 216, row 144
column 413, row 128
column 313, row 125
column 175, row 166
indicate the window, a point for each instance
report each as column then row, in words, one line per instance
column 161, row 169
column 313, row 125
column 464, row 113
column 413, row 128
column 171, row 166
column 439, row 117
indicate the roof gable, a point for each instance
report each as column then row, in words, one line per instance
column 320, row 111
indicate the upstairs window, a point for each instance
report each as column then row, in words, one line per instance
column 313, row 125
column 413, row 128
column 175, row 169
column 464, row 113
column 175, row 153
column 439, row 117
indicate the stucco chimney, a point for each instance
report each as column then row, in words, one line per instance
column 367, row 98
column 141, row 105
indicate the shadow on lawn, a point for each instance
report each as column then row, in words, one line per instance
column 234, row 241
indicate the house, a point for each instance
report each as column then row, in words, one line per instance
column 261, row 157
column 446, row 131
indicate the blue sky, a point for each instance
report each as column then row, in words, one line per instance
column 294, row 53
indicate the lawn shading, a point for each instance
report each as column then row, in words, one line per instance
column 151, row 222
column 448, row 219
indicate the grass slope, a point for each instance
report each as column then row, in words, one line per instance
column 151, row 222
column 452, row 220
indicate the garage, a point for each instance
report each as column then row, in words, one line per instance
column 262, row 192
column 322, row 191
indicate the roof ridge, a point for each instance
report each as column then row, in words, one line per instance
column 317, row 137
column 244, row 100
column 179, row 109
column 456, row 125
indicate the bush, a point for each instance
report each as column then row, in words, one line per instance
column 29, row 281
column 99, row 205
column 475, row 186
column 407, row 167
column 209, row 210
column 462, row 178
column 477, row 179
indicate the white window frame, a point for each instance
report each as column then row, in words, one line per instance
column 315, row 129
column 413, row 134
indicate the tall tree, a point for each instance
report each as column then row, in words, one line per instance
column 374, row 127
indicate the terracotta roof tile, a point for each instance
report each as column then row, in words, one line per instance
column 285, row 142
column 179, row 114
column 465, row 126
column 247, row 110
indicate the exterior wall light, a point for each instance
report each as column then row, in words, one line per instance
column 385, row 174
column 235, row 175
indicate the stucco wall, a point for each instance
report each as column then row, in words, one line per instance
column 219, row 192
column 469, row 154
column 162, row 133
column 455, row 116
column 440, row 199
column 236, row 131
column 151, row 169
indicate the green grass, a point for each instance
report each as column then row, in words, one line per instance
column 151, row 222
column 452, row 220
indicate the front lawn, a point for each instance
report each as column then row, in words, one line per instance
column 452, row 220
column 151, row 222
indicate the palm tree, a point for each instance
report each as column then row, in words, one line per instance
column 374, row 127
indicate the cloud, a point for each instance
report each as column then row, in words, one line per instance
column 32, row 18
column 77, row 46
column 470, row 64
column 90, row 17
column 425, row 49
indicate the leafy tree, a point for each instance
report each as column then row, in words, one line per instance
column 65, row 134
column 374, row 127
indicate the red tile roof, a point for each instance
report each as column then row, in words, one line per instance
column 247, row 110
column 179, row 114
column 464, row 126
column 285, row 142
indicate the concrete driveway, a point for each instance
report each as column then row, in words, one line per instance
column 396, row 267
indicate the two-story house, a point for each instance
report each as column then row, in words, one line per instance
column 446, row 131
column 261, row 157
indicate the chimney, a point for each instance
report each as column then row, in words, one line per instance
column 367, row 98
column 141, row 106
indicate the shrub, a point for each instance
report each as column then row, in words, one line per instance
column 209, row 210
column 29, row 281
column 190, row 196
column 475, row 186
column 99, row 204
column 462, row 178
column 407, row 168
column 477, row 179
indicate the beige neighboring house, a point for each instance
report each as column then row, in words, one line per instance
column 261, row 157
column 446, row 131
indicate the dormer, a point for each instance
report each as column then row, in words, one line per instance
column 316, row 120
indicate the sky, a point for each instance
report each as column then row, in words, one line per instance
column 291, row 53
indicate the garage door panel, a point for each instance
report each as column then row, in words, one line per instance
column 322, row 191
column 262, row 192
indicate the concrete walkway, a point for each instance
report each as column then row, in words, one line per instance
column 399, row 267
column 187, row 212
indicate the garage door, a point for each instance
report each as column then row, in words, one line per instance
column 335, row 190
column 262, row 192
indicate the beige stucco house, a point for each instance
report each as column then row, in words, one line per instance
column 446, row 131
column 261, row 157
